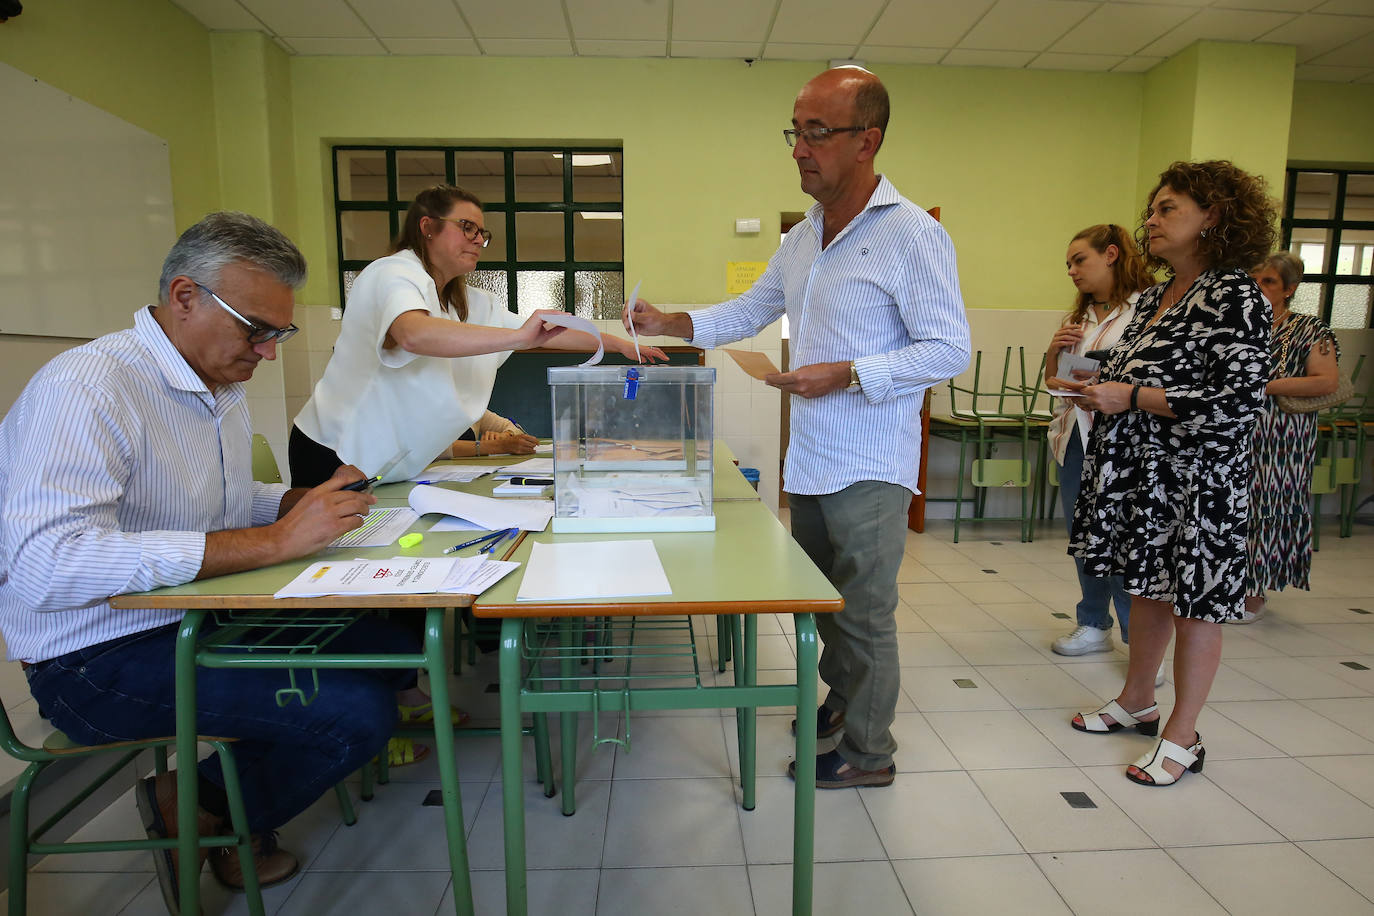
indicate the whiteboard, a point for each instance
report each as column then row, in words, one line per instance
column 85, row 213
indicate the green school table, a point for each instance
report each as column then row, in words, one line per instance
column 748, row 566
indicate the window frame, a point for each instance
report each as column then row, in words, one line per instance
column 1327, row 277
column 505, row 210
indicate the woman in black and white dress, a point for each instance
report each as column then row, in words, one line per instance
column 1165, row 492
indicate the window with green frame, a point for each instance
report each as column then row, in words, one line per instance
column 1328, row 221
column 555, row 215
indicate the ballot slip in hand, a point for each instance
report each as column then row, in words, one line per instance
column 753, row 362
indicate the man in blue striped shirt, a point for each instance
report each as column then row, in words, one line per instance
column 126, row 465
column 869, row 285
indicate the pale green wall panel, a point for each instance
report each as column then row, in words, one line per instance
column 1166, row 123
column 145, row 61
column 1332, row 124
column 1244, row 100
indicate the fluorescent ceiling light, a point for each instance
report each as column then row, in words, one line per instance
column 596, row 214
column 581, row 159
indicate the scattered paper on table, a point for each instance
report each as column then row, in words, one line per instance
column 380, row 527
column 593, row 569
column 488, row 513
column 531, row 467
column 577, row 323
column 397, row 576
column 753, row 362
column 544, row 448
column 452, row 473
column 450, row 523
column 474, row 575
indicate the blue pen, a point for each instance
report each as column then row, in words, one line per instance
column 492, row 545
column 486, row 537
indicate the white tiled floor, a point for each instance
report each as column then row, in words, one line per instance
column 1281, row 819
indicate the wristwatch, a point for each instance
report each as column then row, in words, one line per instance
column 853, row 377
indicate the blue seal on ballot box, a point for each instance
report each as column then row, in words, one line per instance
column 631, row 383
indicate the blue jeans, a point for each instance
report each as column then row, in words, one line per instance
column 1092, row 610
column 856, row 537
column 287, row 757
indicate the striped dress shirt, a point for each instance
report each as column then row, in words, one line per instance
column 885, row 294
column 114, row 463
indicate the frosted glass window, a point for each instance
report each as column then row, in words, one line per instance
column 599, row 293
column 1350, row 308
column 493, row 281
column 539, row 236
column 1308, row 299
column 539, row 289
column 597, row 237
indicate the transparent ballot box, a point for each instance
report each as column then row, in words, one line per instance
column 632, row 454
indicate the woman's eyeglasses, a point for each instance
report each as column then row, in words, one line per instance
column 471, row 231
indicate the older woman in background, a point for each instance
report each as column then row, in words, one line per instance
column 1283, row 448
column 1166, row 478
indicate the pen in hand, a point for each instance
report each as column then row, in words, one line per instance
column 363, row 484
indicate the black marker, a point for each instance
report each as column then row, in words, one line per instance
column 532, row 481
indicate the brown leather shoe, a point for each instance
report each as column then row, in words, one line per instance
column 274, row 864
column 157, row 805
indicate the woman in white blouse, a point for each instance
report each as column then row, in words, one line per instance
column 1107, row 270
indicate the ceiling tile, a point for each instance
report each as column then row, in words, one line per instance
column 515, row 19
column 883, row 55
column 1315, row 34
column 718, row 49
column 1351, row 7
column 1137, row 64
column 337, row 46
column 824, row 21
column 622, row 20
column 1216, row 25
column 595, row 47
column 1052, row 60
column 964, row 57
column 927, row 23
column 526, row 47
column 1330, row 74
column 1193, row 3
column 1358, row 53
column 221, row 15
column 710, row 20
column 1280, row 6
column 285, row 45
column 1025, row 25
column 787, row 50
column 1121, row 28
column 312, row 18
column 412, row 19
column 461, row 47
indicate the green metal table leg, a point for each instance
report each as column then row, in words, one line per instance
column 740, row 741
column 567, row 721
column 238, row 817
column 723, row 638
column 512, row 791
column 187, row 788
column 959, row 483
column 437, row 669
column 748, row 757
column 543, row 765
column 804, row 811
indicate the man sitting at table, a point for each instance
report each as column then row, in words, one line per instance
column 126, row 465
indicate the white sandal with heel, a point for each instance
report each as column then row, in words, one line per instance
column 1094, row 723
column 1152, row 764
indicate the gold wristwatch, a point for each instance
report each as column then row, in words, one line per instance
column 853, row 377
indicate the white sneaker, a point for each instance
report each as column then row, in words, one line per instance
column 1250, row 616
column 1083, row 641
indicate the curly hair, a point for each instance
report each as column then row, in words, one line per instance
column 1244, row 232
column 1129, row 274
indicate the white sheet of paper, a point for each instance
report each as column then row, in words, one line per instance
column 452, row 473
column 396, row 576
column 531, row 467
column 1064, row 393
column 629, row 303
column 449, row 523
column 593, row 569
column 577, row 323
column 474, row 575
column 488, row 513
column 1070, row 363
column 380, row 527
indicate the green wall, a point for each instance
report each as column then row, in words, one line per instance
column 145, row 61
column 1332, row 124
column 1018, row 160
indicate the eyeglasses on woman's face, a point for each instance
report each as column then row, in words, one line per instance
column 471, row 231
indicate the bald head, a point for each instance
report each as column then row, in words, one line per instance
column 866, row 94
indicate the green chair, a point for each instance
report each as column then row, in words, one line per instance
column 265, row 469
column 56, row 747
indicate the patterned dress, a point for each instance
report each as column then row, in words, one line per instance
column 1283, row 449
column 1165, row 501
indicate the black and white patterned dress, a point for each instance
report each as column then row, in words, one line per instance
column 1165, row 502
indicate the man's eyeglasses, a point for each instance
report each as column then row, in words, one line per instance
column 471, row 231
column 257, row 333
column 815, row 136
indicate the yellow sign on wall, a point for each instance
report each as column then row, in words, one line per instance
column 740, row 275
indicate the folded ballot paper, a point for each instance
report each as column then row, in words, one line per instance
column 483, row 511
column 398, row 576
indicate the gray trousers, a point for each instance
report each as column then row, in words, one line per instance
column 856, row 538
